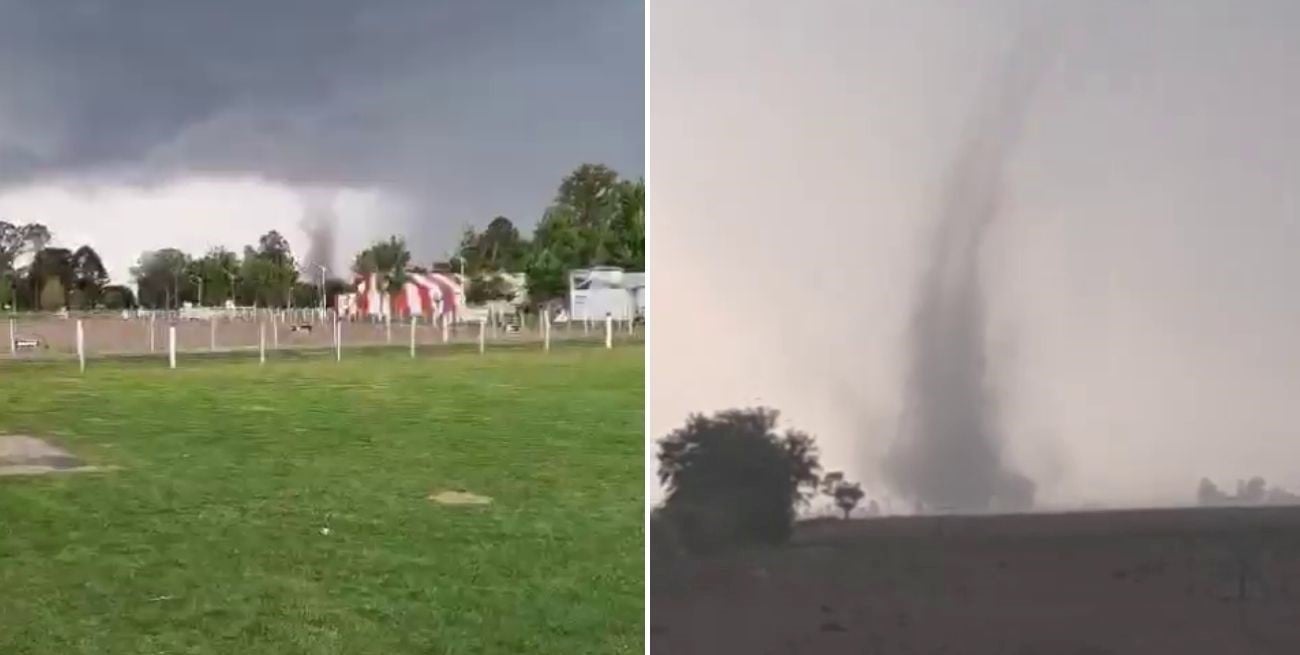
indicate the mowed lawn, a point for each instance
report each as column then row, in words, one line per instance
column 284, row 509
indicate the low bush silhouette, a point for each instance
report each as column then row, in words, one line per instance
column 732, row 479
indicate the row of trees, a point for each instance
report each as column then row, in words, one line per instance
column 51, row 278
column 266, row 275
column 1249, row 492
column 596, row 219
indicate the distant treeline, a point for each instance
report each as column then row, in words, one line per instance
column 596, row 219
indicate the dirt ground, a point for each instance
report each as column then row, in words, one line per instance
column 22, row 454
column 114, row 335
column 1214, row 581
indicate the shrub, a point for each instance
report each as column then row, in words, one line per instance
column 731, row 479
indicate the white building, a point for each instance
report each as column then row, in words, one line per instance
column 595, row 292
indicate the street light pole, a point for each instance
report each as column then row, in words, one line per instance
column 232, row 285
column 323, row 301
column 199, row 279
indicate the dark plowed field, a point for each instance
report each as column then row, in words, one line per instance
column 1184, row 581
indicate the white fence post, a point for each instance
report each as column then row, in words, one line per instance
column 338, row 341
column 275, row 334
column 171, row 345
column 482, row 334
column 13, row 346
column 546, row 331
column 212, row 333
column 151, row 332
column 609, row 331
column 261, row 343
column 445, row 328
column 81, row 346
column 412, row 337
column 388, row 328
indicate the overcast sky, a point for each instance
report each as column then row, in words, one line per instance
column 137, row 125
column 1142, row 277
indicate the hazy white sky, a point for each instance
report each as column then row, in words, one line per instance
column 194, row 215
column 1144, row 318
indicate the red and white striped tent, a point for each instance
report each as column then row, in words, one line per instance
column 425, row 294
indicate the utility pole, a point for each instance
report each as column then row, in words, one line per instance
column 323, row 300
column 199, row 279
column 231, row 276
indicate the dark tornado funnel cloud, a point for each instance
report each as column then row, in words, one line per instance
column 320, row 222
column 949, row 452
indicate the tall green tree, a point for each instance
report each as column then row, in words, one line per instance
column 117, row 296
column 159, row 276
column 53, row 295
column 587, row 193
column 625, row 238
column 219, row 269
column 275, row 248
column 51, row 264
column 8, row 291
column 17, row 240
column 731, row 478
column 306, row 294
column 558, row 247
column 499, row 247
column 596, row 219
column 389, row 259
column 487, row 287
column 89, row 276
column 11, row 243
column 333, row 288
column 468, row 257
column 268, row 273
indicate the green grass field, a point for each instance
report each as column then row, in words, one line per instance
column 209, row 537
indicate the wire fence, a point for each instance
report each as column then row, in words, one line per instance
column 173, row 335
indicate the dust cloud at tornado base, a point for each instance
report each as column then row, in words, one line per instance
column 320, row 222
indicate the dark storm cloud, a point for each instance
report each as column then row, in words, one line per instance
column 470, row 109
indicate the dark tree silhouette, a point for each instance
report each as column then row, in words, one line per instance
column 51, row 275
column 118, row 297
column 1209, row 494
column 846, row 495
column 488, row 287
column 732, row 479
column 89, row 276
